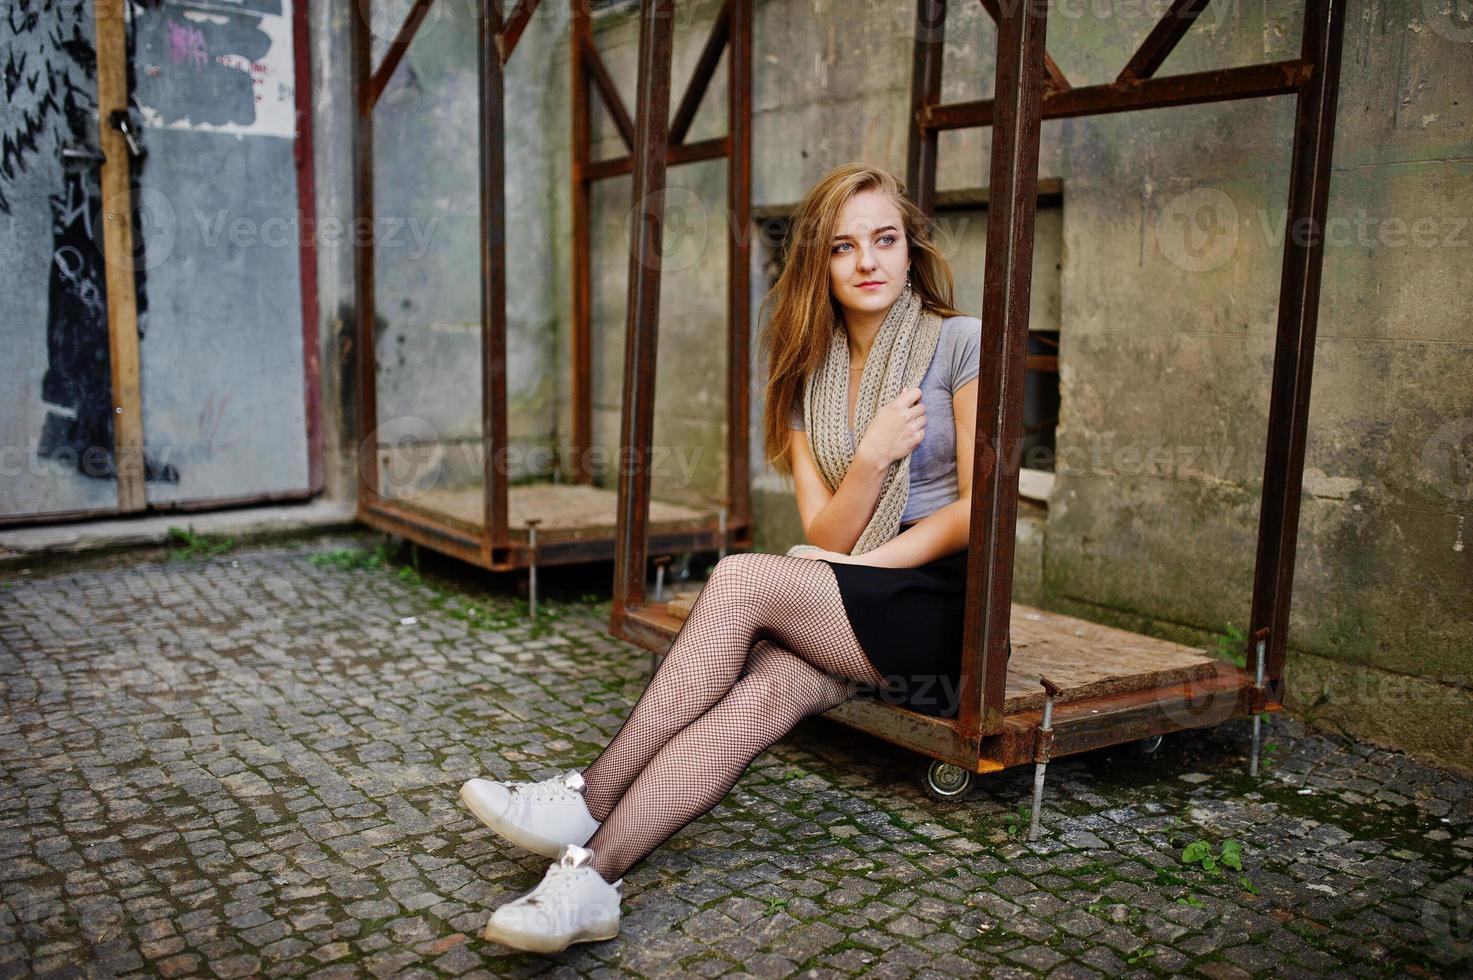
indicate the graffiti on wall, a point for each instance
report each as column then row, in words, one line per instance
column 218, row 67
column 212, row 91
column 50, row 81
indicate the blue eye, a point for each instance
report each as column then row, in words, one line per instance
column 889, row 238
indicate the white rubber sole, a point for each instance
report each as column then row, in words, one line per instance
column 548, row 944
column 519, row 836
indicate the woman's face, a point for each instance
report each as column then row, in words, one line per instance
column 869, row 255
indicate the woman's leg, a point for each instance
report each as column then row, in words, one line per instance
column 700, row 765
column 795, row 601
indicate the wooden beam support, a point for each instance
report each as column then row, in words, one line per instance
column 118, row 249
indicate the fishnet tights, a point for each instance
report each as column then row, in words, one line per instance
column 766, row 644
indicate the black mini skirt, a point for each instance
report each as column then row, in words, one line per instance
column 909, row 622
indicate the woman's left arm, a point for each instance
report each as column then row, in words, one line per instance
column 947, row 529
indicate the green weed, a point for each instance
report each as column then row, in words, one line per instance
column 193, row 546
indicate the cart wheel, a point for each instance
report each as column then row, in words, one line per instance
column 1151, row 744
column 945, row 782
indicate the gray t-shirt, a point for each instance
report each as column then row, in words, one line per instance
column 933, row 463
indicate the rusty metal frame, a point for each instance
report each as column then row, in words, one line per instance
column 658, row 143
column 731, row 33
column 494, row 545
column 982, row 737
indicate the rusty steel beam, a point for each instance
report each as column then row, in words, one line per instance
column 739, row 263
column 580, row 331
column 925, row 91
column 700, row 79
column 1299, row 300
column 511, row 31
column 1091, row 723
column 397, row 47
column 1219, row 85
column 1162, row 40
column 593, row 66
column 637, row 414
column 712, row 149
column 1007, row 282
column 366, row 400
column 937, row 738
column 492, row 131
column 1054, row 80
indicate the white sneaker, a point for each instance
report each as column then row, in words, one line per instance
column 541, row 816
column 571, row 905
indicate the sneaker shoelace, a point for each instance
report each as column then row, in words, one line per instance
column 559, row 879
column 548, row 790
column 538, row 793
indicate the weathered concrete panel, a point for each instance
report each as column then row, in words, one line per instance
column 220, row 353
column 220, row 334
column 427, row 162
column 55, row 397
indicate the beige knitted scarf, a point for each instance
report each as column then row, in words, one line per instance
column 898, row 359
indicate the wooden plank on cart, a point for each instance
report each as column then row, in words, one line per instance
column 1089, row 660
column 559, row 506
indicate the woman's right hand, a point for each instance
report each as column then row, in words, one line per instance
column 896, row 429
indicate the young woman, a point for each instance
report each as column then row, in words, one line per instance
column 871, row 407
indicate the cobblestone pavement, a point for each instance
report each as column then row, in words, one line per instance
column 246, row 764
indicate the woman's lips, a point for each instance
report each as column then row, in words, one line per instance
column 870, row 285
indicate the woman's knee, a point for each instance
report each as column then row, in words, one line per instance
column 736, row 574
column 790, row 688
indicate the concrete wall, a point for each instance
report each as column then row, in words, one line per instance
column 1167, row 248
column 220, row 386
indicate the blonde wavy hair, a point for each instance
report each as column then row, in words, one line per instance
column 801, row 312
